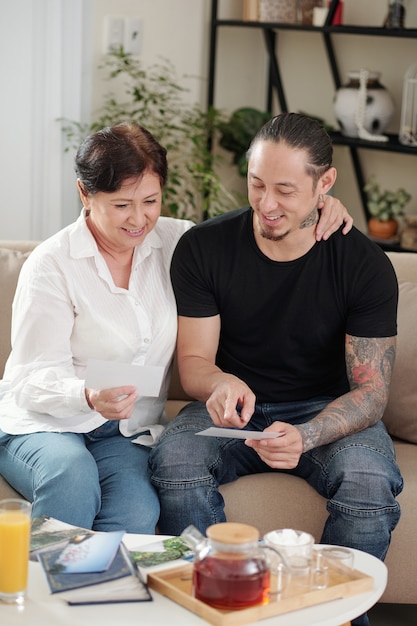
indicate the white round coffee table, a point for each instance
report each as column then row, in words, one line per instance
column 43, row 609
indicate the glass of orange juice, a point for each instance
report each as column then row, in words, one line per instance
column 15, row 516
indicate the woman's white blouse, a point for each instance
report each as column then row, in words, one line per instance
column 67, row 309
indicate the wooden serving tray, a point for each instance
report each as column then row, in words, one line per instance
column 176, row 584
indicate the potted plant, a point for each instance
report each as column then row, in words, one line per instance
column 154, row 98
column 238, row 131
column 385, row 207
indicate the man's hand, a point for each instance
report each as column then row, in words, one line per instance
column 333, row 215
column 222, row 405
column 282, row 452
column 113, row 404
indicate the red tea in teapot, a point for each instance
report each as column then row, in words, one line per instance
column 231, row 583
column 231, row 570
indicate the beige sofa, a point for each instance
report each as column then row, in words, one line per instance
column 271, row 501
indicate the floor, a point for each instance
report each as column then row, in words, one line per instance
column 393, row 615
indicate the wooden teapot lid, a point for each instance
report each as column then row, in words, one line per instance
column 232, row 533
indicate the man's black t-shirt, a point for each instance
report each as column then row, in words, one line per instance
column 283, row 324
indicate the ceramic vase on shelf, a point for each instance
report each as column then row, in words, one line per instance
column 365, row 106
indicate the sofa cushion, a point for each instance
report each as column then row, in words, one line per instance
column 400, row 416
column 11, row 262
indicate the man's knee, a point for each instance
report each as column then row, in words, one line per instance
column 366, row 476
column 180, row 453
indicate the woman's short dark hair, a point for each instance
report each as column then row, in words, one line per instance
column 303, row 133
column 111, row 155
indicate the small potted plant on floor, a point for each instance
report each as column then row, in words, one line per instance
column 385, row 207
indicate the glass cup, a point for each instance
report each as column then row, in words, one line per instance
column 15, row 525
column 319, row 571
column 296, row 549
column 338, row 557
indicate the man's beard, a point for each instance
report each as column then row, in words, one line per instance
column 309, row 221
column 266, row 235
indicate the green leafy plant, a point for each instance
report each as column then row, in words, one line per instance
column 237, row 132
column 155, row 99
column 385, row 205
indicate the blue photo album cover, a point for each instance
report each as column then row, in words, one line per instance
column 121, row 582
column 88, row 553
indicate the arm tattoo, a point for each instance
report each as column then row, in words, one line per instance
column 369, row 366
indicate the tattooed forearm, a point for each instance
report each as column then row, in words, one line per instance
column 369, row 365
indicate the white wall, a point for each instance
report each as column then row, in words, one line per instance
column 177, row 31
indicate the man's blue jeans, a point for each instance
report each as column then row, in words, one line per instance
column 96, row 480
column 358, row 475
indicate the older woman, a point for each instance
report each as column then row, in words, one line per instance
column 99, row 288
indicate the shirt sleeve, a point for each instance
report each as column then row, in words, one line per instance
column 191, row 279
column 375, row 288
column 40, row 368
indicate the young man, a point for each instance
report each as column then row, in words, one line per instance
column 282, row 333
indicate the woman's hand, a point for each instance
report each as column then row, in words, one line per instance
column 113, row 404
column 333, row 215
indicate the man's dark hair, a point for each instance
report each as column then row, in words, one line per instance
column 303, row 133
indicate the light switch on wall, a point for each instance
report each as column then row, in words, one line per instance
column 114, row 32
column 133, row 35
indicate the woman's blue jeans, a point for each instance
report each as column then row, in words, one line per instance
column 96, row 480
column 357, row 475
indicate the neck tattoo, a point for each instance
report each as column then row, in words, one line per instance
column 311, row 219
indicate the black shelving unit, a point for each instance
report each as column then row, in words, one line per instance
column 270, row 32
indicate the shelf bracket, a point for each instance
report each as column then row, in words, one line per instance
column 274, row 71
column 332, row 59
column 212, row 54
column 359, row 180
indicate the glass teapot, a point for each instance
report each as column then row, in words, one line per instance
column 231, row 569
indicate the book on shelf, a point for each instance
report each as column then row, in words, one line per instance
column 250, row 10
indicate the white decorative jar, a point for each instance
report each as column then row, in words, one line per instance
column 363, row 107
